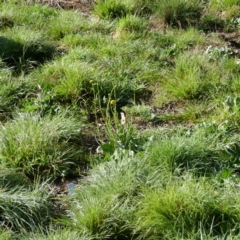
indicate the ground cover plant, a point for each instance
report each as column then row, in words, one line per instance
column 119, row 119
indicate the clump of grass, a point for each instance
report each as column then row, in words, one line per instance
column 186, row 151
column 110, row 9
column 106, row 71
column 205, row 150
column 187, row 38
column 210, row 21
column 196, row 78
column 23, row 49
column 57, row 234
column 43, row 146
column 188, row 207
column 11, row 93
column 142, row 7
column 12, row 177
column 105, row 86
column 187, row 75
column 179, row 13
column 103, row 205
column 80, row 29
column 131, row 23
column 64, row 78
column 99, row 63
column 92, row 42
column 23, row 209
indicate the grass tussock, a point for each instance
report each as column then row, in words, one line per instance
column 23, row 207
column 180, row 13
column 186, row 209
column 40, row 145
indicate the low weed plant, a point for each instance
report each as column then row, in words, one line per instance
column 120, row 133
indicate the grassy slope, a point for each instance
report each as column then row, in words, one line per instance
column 168, row 168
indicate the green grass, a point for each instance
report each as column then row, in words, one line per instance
column 179, row 13
column 46, row 145
column 56, row 234
column 197, row 150
column 110, row 9
column 22, row 49
column 131, row 23
column 34, row 15
column 136, row 103
column 195, row 77
column 225, row 3
column 23, row 206
column 12, row 92
column 105, row 204
column 130, row 198
column 186, row 208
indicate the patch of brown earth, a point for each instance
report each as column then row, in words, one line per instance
column 80, row 5
column 232, row 40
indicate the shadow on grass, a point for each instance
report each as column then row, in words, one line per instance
column 6, row 22
column 22, row 56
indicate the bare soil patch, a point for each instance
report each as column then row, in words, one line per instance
column 80, row 5
column 233, row 41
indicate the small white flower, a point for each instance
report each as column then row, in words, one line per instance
column 123, row 118
column 208, row 49
column 39, row 88
column 151, row 138
column 99, row 150
column 131, row 153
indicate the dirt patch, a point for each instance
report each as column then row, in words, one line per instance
column 173, row 107
column 232, row 40
column 80, row 5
